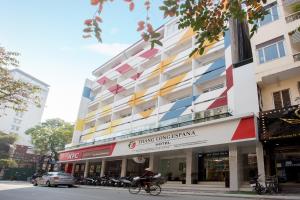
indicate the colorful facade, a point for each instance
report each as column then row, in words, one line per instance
column 190, row 118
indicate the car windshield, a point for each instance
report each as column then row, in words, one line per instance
column 58, row 174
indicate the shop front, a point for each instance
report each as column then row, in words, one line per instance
column 210, row 152
column 280, row 134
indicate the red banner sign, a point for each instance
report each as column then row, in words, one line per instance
column 88, row 152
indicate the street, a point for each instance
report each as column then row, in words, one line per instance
column 25, row 191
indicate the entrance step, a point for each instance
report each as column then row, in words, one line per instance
column 204, row 186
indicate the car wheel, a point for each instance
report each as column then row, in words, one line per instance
column 70, row 186
column 55, row 185
column 48, row 184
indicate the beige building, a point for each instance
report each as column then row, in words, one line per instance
column 276, row 47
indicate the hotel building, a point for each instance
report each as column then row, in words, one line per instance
column 194, row 119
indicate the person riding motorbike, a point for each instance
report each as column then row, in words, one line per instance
column 146, row 177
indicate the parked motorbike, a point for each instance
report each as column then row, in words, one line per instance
column 126, row 181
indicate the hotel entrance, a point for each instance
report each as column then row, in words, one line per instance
column 213, row 166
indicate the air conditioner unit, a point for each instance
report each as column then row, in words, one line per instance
column 220, row 110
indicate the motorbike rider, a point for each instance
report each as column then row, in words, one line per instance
column 147, row 176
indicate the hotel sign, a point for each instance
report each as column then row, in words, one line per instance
column 280, row 123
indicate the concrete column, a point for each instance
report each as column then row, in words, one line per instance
column 123, row 168
column 102, row 168
column 154, row 162
column 260, row 161
column 189, row 166
column 234, row 162
column 73, row 169
column 86, row 169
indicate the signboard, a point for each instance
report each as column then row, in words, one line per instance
column 212, row 134
column 206, row 134
column 88, row 152
column 280, row 123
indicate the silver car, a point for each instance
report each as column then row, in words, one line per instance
column 55, row 179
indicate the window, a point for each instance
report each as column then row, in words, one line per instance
column 281, row 99
column 271, row 16
column 271, row 52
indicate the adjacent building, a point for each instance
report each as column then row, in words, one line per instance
column 277, row 50
column 194, row 119
column 19, row 122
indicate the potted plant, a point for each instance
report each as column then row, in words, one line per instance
column 182, row 178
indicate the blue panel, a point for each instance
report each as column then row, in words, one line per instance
column 209, row 76
column 216, row 65
column 173, row 114
column 182, row 103
column 86, row 92
column 227, row 39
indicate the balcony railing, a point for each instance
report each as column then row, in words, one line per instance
column 296, row 57
column 292, row 17
column 180, row 122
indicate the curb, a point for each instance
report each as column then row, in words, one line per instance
column 210, row 194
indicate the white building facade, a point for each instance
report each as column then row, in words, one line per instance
column 194, row 119
column 19, row 122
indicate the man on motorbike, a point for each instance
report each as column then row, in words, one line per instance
column 146, row 177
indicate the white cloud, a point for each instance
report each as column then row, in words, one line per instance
column 107, row 49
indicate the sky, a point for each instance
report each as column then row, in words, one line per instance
column 48, row 34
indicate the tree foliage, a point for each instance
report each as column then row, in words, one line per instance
column 209, row 19
column 51, row 136
column 6, row 146
column 14, row 94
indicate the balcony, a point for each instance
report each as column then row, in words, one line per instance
column 292, row 17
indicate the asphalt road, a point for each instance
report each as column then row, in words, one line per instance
column 24, row 191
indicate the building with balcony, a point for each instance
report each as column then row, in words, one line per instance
column 191, row 118
column 276, row 47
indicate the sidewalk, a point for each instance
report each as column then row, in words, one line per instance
column 183, row 191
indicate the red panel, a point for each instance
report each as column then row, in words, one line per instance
column 229, row 77
column 221, row 101
column 116, row 89
column 124, row 68
column 77, row 154
column 245, row 129
column 135, row 77
column 149, row 54
column 103, row 80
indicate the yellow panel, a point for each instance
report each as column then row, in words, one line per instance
column 79, row 125
column 136, row 98
column 92, row 130
column 188, row 34
column 146, row 113
column 87, row 137
column 91, row 114
column 171, row 84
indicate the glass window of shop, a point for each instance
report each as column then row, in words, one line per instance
column 287, row 163
column 113, row 168
column 79, row 170
column 134, row 168
column 94, row 169
column 174, row 168
column 213, row 166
